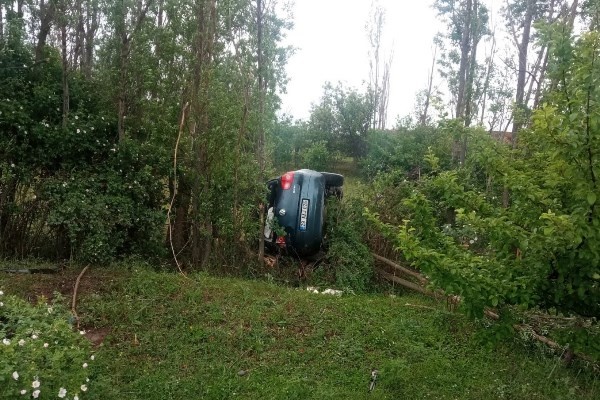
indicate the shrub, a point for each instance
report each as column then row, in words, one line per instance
column 41, row 354
column 317, row 156
column 349, row 260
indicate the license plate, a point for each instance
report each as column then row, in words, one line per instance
column 303, row 214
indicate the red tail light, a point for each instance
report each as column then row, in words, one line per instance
column 286, row 180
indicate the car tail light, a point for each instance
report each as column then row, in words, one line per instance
column 280, row 241
column 286, row 180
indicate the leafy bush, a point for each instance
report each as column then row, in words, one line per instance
column 317, row 156
column 349, row 261
column 109, row 211
column 41, row 354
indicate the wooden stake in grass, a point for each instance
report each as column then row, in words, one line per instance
column 374, row 374
column 74, row 299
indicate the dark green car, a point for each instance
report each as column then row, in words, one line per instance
column 296, row 209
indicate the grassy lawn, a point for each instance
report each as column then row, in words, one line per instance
column 163, row 336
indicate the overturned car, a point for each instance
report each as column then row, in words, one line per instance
column 296, row 210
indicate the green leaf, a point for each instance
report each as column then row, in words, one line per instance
column 591, row 198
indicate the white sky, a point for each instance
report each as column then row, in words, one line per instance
column 331, row 41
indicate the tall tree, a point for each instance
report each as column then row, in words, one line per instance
column 128, row 19
column 466, row 25
column 379, row 65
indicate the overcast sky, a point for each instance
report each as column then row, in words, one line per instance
column 331, row 42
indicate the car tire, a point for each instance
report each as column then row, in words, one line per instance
column 336, row 191
column 333, row 179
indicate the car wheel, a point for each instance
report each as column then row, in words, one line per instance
column 333, row 179
column 336, row 191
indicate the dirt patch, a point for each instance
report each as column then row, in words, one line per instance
column 97, row 335
column 35, row 286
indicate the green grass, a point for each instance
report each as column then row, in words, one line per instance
column 215, row 338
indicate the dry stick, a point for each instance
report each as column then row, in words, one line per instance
column 407, row 284
column 491, row 314
column 181, row 124
column 421, row 306
column 74, row 299
column 400, row 268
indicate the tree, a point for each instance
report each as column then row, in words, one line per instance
column 541, row 249
column 342, row 118
column 466, row 26
column 379, row 77
column 157, row 97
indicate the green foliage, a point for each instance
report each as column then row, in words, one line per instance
column 348, row 258
column 342, row 118
column 317, row 157
column 110, row 211
column 41, row 354
column 405, row 150
column 540, row 249
column 90, row 176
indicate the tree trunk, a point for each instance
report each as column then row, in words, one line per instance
column 1, row 22
column 523, row 47
column 47, row 12
column 202, row 227
column 90, row 35
column 78, row 51
column 260, row 150
column 488, row 75
column 424, row 115
column 470, row 77
column 465, row 47
column 126, row 39
column 123, row 61
column 65, row 72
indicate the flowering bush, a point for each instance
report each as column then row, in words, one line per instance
column 41, row 356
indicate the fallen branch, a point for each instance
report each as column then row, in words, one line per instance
column 407, row 284
column 421, row 306
column 400, row 268
column 74, row 299
column 489, row 313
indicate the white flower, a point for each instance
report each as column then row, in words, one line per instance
column 15, row 375
column 83, row 388
column 35, row 384
column 85, row 365
column 35, row 394
column 78, row 130
column 23, row 391
column 471, row 241
column 22, row 342
column 50, row 308
column 34, row 336
column 92, row 357
column 1, row 304
column 6, row 341
column 76, row 117
column 62, row 392
column 82, row 332
column 75, row 397
column 46, row 345
column 87, row 379
column 1, row 292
